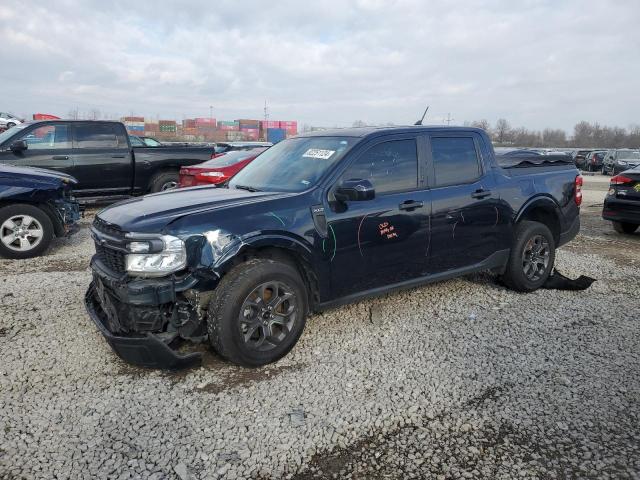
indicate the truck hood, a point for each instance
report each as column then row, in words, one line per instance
column 151, row 213
column 36, row 174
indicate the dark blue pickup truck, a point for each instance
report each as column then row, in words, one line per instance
column 316, row 221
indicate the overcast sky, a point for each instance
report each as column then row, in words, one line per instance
column 327, row 63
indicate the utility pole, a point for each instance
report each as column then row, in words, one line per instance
column 448, row 119
column 211, row 112
column 266, row 111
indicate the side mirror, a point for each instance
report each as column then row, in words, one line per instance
column 355, row 190
column 19, row 146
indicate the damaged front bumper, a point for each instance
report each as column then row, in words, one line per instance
column 69, row 213
column 133, row 318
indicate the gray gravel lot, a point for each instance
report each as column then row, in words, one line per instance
column 461, row 379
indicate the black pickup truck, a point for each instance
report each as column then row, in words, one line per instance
column 316, row 221
column 99, row 155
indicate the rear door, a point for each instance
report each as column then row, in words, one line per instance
column 383, row 241
column 102, row 159
column 465, row 222
column 48, row 146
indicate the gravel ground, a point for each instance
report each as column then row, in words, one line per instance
column 461, row 379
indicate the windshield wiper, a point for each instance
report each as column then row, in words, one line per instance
column 246, row 187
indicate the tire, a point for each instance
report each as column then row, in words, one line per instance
column 31, row 241
column 519, row 275
column 624, row 227
column 241, row 313
column 163, row 181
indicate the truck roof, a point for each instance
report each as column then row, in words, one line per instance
column 373, row 131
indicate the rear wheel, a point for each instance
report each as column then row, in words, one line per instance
column 25, row 231
column 532, row 257
column 258, row 312
column 164, row 181
column 624, row 227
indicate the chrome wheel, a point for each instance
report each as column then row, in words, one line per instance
column 168, row 186
column 535, row 257
column 268, row 315
column 21, row 233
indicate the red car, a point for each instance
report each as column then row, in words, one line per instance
column 219, row 169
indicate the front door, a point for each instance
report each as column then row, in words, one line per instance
column 382, row 241
column 466, row 224
column 48, row 146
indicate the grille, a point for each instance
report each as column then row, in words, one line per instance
column 107, row 228
column 110, row 258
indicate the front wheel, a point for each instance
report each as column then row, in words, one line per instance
column 258, row 312
column 624, row 227
column 25, row 231
column 532, row 257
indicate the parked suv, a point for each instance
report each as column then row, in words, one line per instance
column 593, row 161
column 616, row 161
column 316, row 221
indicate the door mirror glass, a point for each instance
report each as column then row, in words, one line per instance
column 355, row 190
column 19, row 146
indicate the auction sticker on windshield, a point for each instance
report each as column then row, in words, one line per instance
column 317, row 153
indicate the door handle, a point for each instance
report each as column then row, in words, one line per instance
column 480, row 193
column 60, row 157
column 410, row 205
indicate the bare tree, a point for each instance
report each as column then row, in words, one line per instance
column 483, row 124
column 502, row 130
column 94, row 114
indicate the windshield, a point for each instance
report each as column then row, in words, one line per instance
column 11, row 132
column 151, row 142
column 293, row 165
column 629, row 155
column 231, row 158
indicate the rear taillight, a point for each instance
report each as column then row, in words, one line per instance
column 578, row 194
column 620, row 180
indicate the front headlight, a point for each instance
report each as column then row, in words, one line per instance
column 172, row 258
column 622, row 162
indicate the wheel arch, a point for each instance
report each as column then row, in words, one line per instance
column 544, row 210
column 280, row 247
column 164, row 169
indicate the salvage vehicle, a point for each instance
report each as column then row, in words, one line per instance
column 218, row 170
column 35, row 206
column 616, row 161
column 622, row 203
column 99, row 155
column 593, row 161
column 317, row 221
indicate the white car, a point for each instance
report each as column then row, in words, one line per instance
column 7, row 120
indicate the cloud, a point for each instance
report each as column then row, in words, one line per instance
column 537, row 63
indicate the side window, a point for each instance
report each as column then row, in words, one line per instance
column 96, row 136
column 136, row 141
column 47, row 137
column 389, row 166
column 455, row 160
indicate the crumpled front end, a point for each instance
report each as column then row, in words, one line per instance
column 142, row 318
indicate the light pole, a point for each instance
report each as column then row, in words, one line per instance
column 211, row 112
